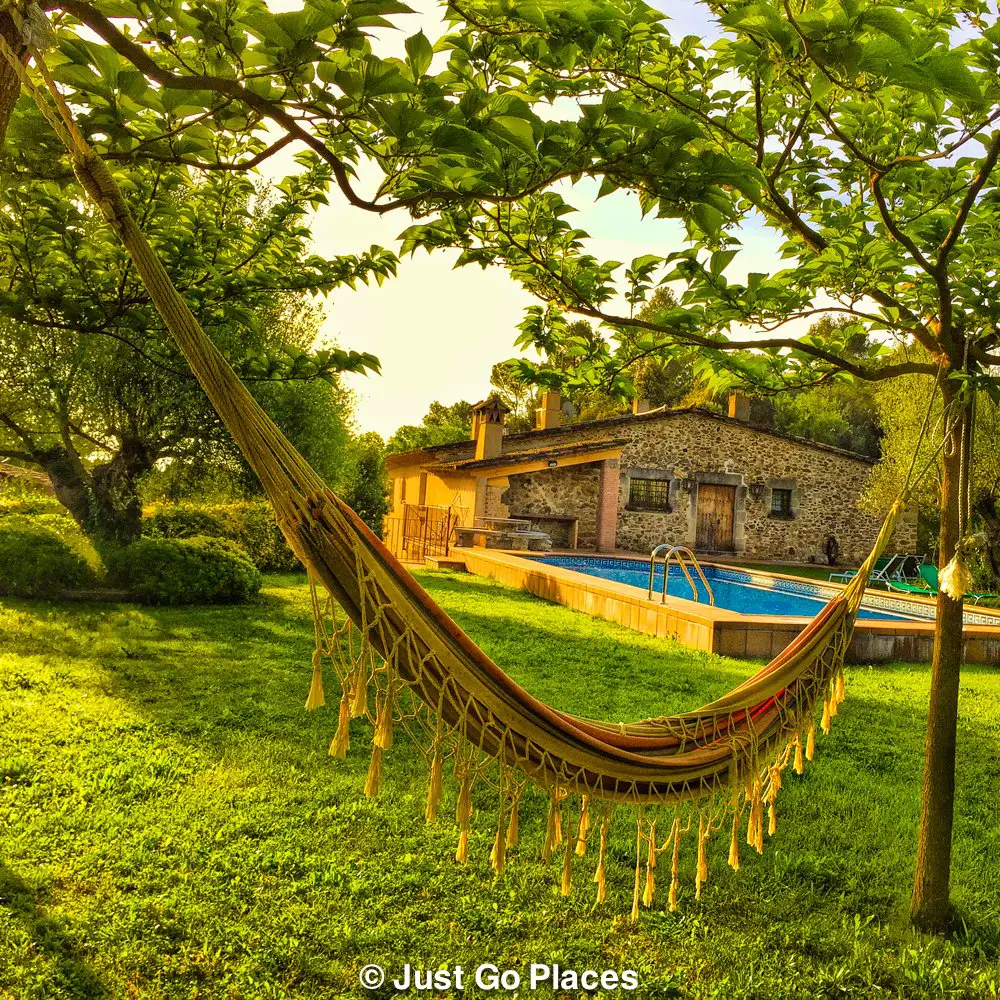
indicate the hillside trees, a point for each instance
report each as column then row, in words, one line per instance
column 92, row 389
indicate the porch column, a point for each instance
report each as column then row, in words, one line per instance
column 607, row 506
column 479, row 510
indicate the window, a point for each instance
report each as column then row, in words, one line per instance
column 649, row 494
column 781, row 503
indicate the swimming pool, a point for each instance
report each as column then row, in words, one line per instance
column 735, row 590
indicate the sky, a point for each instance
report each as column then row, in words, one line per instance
column 437, row 331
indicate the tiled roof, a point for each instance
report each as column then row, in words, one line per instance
column 660, row 414
column 532, row 454
column 552, row 434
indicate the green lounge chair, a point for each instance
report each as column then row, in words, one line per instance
column 931, row 586
column 886, row 568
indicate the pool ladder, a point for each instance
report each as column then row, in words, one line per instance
column 677, row 553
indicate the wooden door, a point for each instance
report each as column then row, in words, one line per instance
column 714, row 525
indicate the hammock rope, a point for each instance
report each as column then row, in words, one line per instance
column 403, row 665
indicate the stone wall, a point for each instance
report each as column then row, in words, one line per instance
column 693, row 445
column 572, row 491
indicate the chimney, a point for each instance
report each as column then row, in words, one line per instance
column 739, row 406
column 487, row 422
column 549, row 414
column 640, row 405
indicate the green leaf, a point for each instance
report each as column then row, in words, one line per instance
column 890, row 22
column 420, row 52
column 708, row 217
column 956, row 79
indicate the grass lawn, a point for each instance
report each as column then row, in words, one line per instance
column 808, row 571
column 172, row 827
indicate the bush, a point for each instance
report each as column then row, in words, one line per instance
column 183, row 521
column 17, row 497
column 36, row 562
column 198, row 570
column 250, row 524
column 64, row 528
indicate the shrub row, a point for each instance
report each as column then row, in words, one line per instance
column 250, row 524
column 190, row 554
column 36, row 562
column 196, row 570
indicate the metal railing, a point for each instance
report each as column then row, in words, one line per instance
column 421, row 531
column 678, row 553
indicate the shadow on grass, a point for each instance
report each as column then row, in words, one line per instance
column 51, row 938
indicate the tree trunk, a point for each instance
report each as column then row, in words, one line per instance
column 930, row 907
column 103, row 500
column 10, row 86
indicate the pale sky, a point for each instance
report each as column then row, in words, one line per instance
column 437, row 331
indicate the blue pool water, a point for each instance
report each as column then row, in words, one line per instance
column 733, row 590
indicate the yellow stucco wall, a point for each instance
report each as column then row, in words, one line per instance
column 412, row 485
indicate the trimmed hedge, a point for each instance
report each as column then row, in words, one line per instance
column 36, row 562
column 196, row 570
column 250, row 524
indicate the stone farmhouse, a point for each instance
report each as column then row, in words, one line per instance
column 689, row 476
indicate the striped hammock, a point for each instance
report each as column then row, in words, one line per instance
column 405, row 666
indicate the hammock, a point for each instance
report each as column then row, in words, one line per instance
column 403, row 664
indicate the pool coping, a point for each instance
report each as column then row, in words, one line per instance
column 717, row 630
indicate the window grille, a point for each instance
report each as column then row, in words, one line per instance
column 781, row 503
column 649, row 494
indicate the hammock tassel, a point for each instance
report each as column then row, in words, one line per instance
column 956, row 578
column 825, row 722
column 638, row 868
column 342, row 740
column 702, row 874
column 383, row 722
column 647, row 896
column 315, row 698
column 811, row 743
column 553, row 828
column 841, row 693
column 734, row 843
column 359, row 702
column 463, row 816
column 498, row 856
column 374, row 780
column 513, row 825
column 581, row 836
column 434, row 790
column 600, row 876
column 566, row 886
column 755, row 821
column 675, row 865
column 772, row 798
column 799, row 764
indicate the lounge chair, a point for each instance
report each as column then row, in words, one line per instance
column 887, row 569
column 930, row 585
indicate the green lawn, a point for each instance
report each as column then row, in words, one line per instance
column 808, row 571
column 172, row 827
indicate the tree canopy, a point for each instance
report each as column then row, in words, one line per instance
column 92, row 388
column 442, row 424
